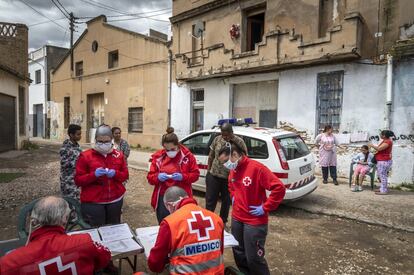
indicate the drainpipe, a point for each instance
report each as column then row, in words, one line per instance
column 389, row 92
column 170, row 60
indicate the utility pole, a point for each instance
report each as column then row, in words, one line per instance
column 72, row 29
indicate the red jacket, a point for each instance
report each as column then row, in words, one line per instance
column 184, row 163
column 248, row 185
column 159, row 255
column 102, row 189
column 50, row 249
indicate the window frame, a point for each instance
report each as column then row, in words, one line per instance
column 38, row 76
column 111, row 63
column 77, row 71
column 246, row 30
column 140, row 112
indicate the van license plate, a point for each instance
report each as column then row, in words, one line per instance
column 305, row 169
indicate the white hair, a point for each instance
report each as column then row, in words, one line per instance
column 174, row 193
column 50, row 211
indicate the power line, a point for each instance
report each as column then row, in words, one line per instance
column 103, row 6
column 43, row 22
column 63, row 7
column 143, row 17
column 131, row 14
column 38, row 12
column 63, row 11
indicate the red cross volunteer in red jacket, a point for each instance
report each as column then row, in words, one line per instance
column 248, row 182
column 50, row 251
column 190, row 239
column 100, row 173
column 174, row 165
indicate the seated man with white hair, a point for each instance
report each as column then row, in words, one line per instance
column 190, row 239
column 49, row 250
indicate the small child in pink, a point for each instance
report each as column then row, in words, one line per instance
column 363, row 161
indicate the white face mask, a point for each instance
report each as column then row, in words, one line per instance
column 172, row 154
column 231, row 165
column 103, row 147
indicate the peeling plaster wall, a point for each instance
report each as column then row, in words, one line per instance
column 363, row 109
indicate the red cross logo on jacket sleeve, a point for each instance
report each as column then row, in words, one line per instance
column 55, row 266
column 200, row 225
column 247, row 181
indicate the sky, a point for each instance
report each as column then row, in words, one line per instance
column 42, row 31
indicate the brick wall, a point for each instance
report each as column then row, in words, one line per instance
column 14, row 47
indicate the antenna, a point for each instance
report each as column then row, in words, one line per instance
column 199, row 29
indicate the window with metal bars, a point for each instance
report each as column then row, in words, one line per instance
column 66, row 112
column 22, row 111
column 135, row 120
column 329, row 99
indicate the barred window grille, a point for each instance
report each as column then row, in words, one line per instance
column 329, row 101
column 135, row 120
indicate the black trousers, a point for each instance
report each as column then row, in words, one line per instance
column 101, row 214
column 249, row 255
column 329, row 170
column 161, row 210
column 218, row 187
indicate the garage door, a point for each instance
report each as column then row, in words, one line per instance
column 257, row 100
column 8, row 123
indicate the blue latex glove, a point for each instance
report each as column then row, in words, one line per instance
column 232, row 201
column 257, row 210
column 163, row 177
column 110, row 173
column 99, row 172
column 177, row 177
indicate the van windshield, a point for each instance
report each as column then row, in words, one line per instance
column 293, row 147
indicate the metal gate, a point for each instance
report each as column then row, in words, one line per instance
column 38, row 120
column 329, row 100
column 8, row 123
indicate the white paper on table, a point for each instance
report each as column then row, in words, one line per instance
column 148, row 235
column 116, row 232
column 122, row 246
column 92, row 232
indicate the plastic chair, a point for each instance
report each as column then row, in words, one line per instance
column 72, row 223
column 371, row 174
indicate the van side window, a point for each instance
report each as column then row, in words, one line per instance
column 198, row 144
column 256, row 148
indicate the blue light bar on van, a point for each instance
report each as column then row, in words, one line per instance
column 231, row 121
column 234, row 121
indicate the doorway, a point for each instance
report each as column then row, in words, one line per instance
column 38, row 120
column 8, row 122
column 96, row 113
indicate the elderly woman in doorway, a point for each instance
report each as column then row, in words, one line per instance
column 384, row 159
column 327, row 143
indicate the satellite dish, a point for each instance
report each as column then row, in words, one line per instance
column 198, row 29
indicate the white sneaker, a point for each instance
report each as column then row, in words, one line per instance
column 360, row 188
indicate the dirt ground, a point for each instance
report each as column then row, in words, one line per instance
column 298, row 242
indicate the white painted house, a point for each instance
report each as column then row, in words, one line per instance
column 41, row 62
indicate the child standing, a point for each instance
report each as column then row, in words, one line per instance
column 364, row 164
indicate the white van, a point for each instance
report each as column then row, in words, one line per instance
column 283, row 152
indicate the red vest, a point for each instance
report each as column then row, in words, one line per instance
column 196, row 241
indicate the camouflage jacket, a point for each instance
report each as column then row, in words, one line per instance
column 69, row 154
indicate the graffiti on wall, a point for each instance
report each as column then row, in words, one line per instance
column 402, row 137
column 55, row 117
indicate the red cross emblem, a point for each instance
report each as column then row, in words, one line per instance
column 200, row 225
column 247, row 181
column 55, row 266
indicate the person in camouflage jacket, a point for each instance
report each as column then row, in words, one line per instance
column 69, row 154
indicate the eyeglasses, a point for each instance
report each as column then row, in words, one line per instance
column 171, row 150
